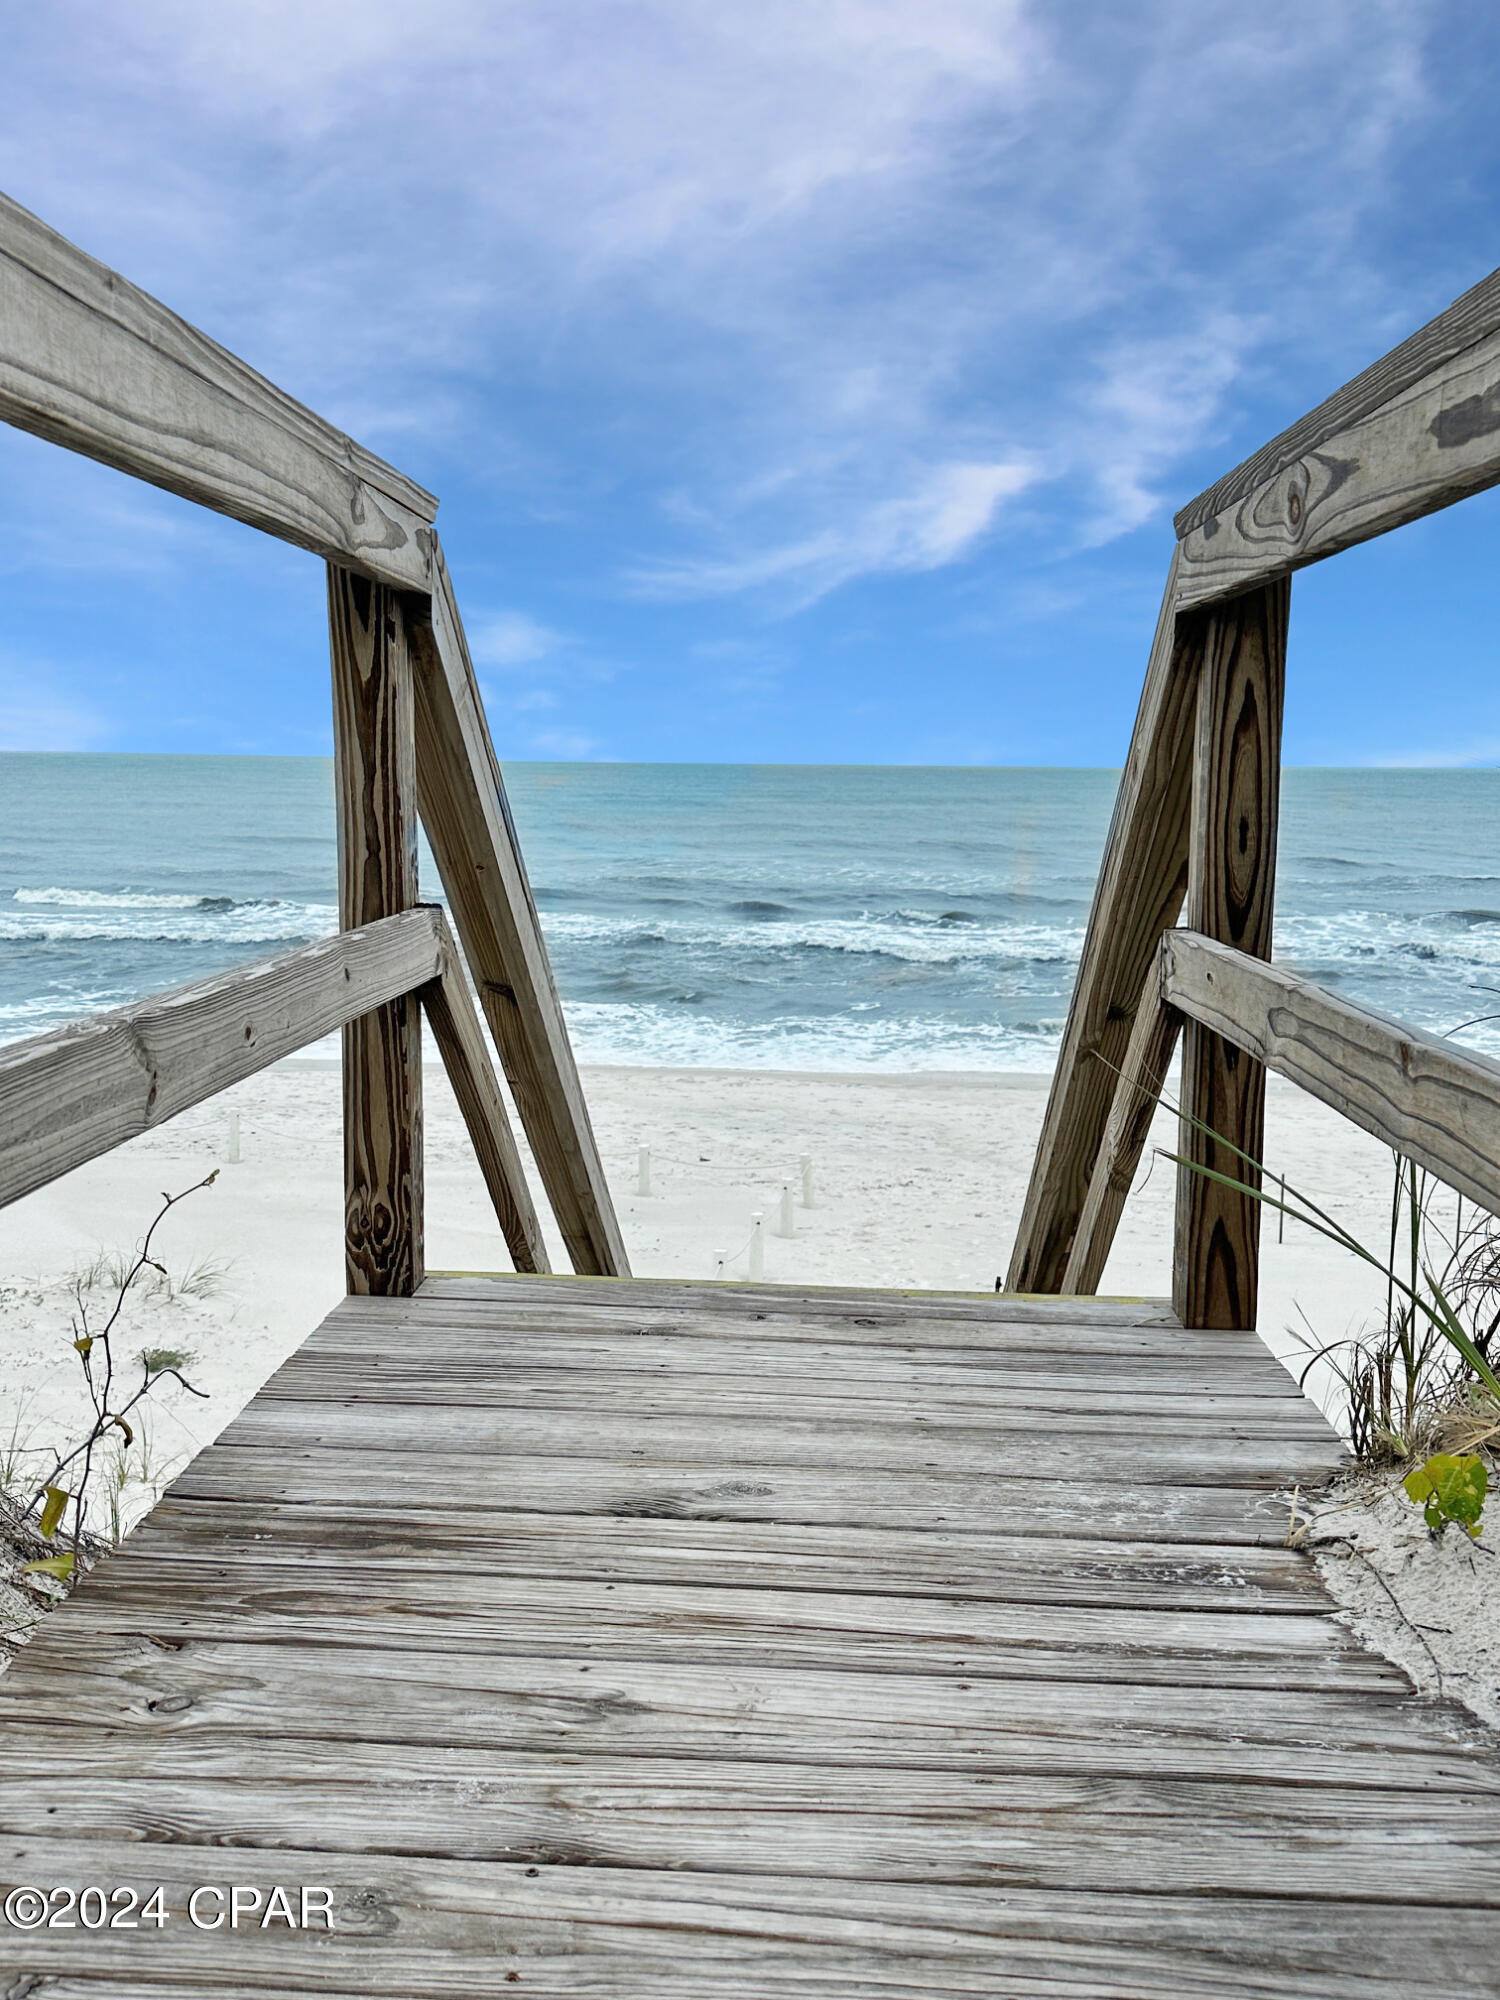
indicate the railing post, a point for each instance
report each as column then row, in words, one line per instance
column 1231, row 891
column 375, row 787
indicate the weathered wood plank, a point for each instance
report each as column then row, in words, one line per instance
column 997, row 1568
column 1118, row 1350
column 1040, row 1451
column 68, row 1096
column 1148, row 1057
column 1231, row 891
column 426, row 1927
column 216, row 1689
column 375, row 790
column 1428, row 443
column 468, row 822
column 558, row 1970
column 1078, row 1833
column 1433, row 1103
column 460, row 1040
column 273, row 1603
column 1464, row 325
column 865, row 1305
column 1141, row 885
column 92, row 363
column 368, row 1336
column 911, row 1316
column 642, row 1486
column 507, row 1376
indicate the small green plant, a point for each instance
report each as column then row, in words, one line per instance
column 1450, row 1488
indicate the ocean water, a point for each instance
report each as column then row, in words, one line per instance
column 778, row 917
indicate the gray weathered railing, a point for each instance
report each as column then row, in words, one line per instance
column 93, row 364
column 69, row 1096
column 1195, row 819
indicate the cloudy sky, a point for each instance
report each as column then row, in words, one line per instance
column 802, row 383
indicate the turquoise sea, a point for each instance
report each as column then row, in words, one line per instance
column 781, row 917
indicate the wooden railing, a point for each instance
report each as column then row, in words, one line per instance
column 67, row 1097
column 95, row 365
column 1195, row 825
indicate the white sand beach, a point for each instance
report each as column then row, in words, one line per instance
column 918, row 1181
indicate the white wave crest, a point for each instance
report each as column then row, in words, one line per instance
column 107, row 899
column 634, row 1034
column 240, row 924
column 875, row 936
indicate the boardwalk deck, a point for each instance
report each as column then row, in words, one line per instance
column 605, row 1638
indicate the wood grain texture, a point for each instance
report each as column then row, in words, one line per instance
column 1470, row 320
column 68, row 1096
column 1432, row 441
column 1231, row 895
column 92, row 363
column 740, row 1630
column 455, row 1930
column 1050, row 1452
column 1148, row 1057
column 772, row 1555
column 375, row 794
column 1142, row 881
column 627, row 1727
column 530, row 1344
column 508, row 1374
column 639, row 1486
column 1123, row 1834
column 468, row 822
column 460, row 1039
column 1430, row 1101
column 913, row 1318
column 209, row 1688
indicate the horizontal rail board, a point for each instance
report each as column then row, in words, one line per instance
column 1433, row 1103
column 69, row 1096
column 1465, row 323
column 1435, row 440
column 98, row 366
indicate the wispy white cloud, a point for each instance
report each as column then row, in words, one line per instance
column 939, row 521
column 1153, row 401
column 750, row 303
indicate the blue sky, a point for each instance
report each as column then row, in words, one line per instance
column 802, row 384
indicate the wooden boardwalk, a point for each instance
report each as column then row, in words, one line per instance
column 600, row 1638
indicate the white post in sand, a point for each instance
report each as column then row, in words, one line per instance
column 721, row 1265
column 643, row 1170
column 234, row 1139
column 757, row 1245
column 804, row 1167
column 788, row 1224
